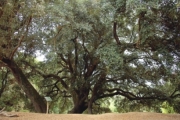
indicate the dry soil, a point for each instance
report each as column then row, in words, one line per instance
column 107, row 116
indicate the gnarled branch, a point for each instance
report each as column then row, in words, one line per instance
column 115, row 33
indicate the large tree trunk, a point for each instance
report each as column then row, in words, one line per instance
column 23, row 82
column 79, row 108
column 79, row 100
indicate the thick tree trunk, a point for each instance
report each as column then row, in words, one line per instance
column 78, row 108
column 79, row 103
column 23, row 82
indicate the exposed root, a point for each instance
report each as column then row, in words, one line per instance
column 2, row 110
column 4, row 113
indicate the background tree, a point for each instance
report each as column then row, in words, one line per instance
column 16, row 28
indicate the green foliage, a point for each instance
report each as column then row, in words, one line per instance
column 123, row 105
column 110, row 58
column 13, row 99
column 83, row 62
column 166, row 108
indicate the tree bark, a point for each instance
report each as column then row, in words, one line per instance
column 90, row 107
column 79, row 108
column 79, row 101
column 33, row 95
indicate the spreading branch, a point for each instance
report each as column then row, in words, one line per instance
column 131, row 96
column 22, row 37
column 4, row 113
column 115, row 33
column 52, row 76
column 48, row 75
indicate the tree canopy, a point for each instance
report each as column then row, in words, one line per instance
column 93, row 50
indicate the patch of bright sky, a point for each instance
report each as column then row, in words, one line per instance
column 148, row 83
column 40, row 56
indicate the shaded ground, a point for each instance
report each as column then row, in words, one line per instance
column 108, row 116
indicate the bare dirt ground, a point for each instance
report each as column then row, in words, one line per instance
column 107, row 116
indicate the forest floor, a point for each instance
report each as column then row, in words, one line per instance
column 107, row 116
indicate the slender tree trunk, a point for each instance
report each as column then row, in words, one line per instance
column 90, row 107
column 90, row 103
column 33, row 95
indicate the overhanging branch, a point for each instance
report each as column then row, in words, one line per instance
column 22, row 37
column 48, row 75
column 115, row 33
column 55, row 77
column 131, row 96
